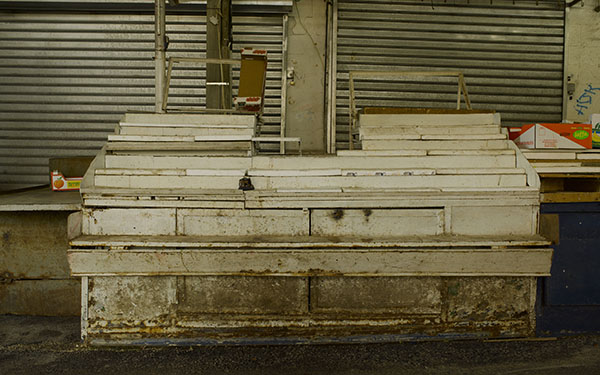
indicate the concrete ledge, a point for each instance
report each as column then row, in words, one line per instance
column 41, row 199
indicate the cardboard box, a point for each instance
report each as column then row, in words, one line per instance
column 565, row 136
column 524, row 137
column 61, row 183
column 595, row 121
column 552, row 136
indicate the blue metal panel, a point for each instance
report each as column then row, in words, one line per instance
column 569, row 300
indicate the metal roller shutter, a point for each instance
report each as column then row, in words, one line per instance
column 511, row 53
column 67, row 78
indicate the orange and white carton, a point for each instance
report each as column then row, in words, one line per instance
column 524, row 137
column 552, row 136
column 61, row 183
column 568, row 136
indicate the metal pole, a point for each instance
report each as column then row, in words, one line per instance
column 218, row 38
column 213, row 47
column 284, row 64
column 159, row 54
column 225, row 43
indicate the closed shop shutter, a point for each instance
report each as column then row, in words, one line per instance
column 511, row 53
column 66, row 78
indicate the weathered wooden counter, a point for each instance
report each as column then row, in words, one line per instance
column 181, row 243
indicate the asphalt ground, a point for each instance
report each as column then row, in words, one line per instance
column 45, row 345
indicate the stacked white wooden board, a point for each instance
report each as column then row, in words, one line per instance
column 571, row 162
column 169, row 241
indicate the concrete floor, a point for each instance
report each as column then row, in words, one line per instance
column 40, row 345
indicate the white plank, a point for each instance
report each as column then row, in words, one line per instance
column 433, row 145
column 533, row 179
column 222, row 138
column 388, row 181
column 573, row 170
column 183, row 153
column 276, row 139
column 174, row 182
column 549, row 155
column 429, row 119
column 477, row 153
column 123, row 203
column 388, row 172
column 588, row 156
column 206, row 145
column 448, row 159
column 175, row 125
column 140, row 172
column 148, row 138
column 312, row 203
column 239, row 173
column 392, row 136
column 311, row 191
column 450, row 137
column 446, row 262
column 163, row 119
column 183, row 131
column 171, row 172
column 362, row 153
column 197, row 222
column 463, row 171
column 293, row 172
column 438, row 137
column 429, row 130
column 183, row 162
column 555, row 164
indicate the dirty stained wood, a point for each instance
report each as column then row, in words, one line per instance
column 449, row 197
column 169, row 172
column 207, row 222
column 176, row 119
column 377, row 222
column 129, row 221
column 207, row 145
column 428, row 130
column 433, row 137
column 391, row 144
column 313, row 262
column 312, row 241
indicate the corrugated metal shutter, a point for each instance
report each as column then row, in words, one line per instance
column 66, row 80
column 510, row 52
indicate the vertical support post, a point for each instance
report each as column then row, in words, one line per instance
column 332, row 78
column 159, row 54
column 351, row 109
column 284, row 66
column 213, row 46
column 84, row 307
column 218, row 38
column 565, row 101
column 225, row 42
